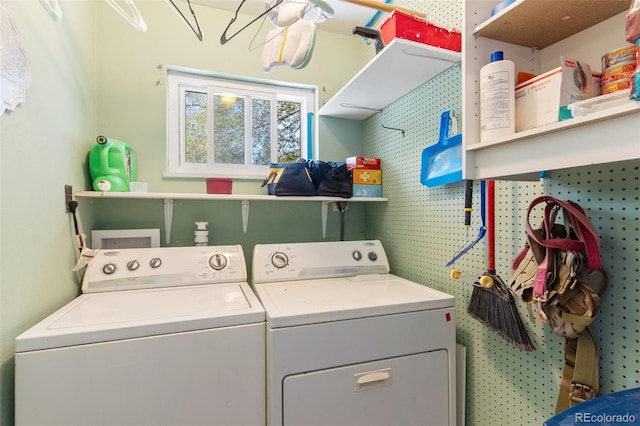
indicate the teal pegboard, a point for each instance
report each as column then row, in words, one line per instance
column 422, row 228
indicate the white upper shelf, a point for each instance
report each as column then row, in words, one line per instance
column 541, row 23
column 400, row 67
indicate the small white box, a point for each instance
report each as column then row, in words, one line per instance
column 544, row 99
column 538, row 100
column 125, row 238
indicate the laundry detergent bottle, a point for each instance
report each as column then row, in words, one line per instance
column 497, row 98
column 112, row 164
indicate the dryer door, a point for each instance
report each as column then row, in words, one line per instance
column 407, row 390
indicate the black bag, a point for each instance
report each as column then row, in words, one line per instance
column 331, row 179
column 289, row 179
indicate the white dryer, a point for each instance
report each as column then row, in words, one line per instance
column 160, row 336
column 348, row 343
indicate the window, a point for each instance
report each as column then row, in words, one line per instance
column 224, row 127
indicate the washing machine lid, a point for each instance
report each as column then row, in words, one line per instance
column 103, row 317
column 291, row 303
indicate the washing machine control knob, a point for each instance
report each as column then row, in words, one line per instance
column 356, row 255
column 132, row 265
column 373, row 256
column 279, row 259
column 109, row 268
column 218, row 261
column 156, row 262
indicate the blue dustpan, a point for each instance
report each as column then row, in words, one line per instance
column 442, row 162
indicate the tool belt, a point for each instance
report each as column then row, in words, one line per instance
column 559, row 271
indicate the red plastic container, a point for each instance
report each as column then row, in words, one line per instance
column 409, row 27
column 219, row 186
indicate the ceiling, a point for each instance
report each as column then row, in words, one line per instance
column 346, row 15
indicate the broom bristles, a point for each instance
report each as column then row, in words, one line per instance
column 495, row 308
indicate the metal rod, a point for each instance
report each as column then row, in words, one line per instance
column 385, row 7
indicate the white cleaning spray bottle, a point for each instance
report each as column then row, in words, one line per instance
column 497, row 98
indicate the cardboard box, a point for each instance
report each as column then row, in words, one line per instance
column 545, row 99
column 409, row 27
column 360, row 162
column 367, row 176
column 367, row 190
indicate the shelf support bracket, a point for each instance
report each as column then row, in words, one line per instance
column 245, row 215
column 325, row 210
column 168, row 219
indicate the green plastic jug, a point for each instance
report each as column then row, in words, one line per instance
column 112, row 164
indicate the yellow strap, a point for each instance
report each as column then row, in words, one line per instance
column 284, row 41
column 580, row 377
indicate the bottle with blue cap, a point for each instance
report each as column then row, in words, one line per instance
column 497, row 98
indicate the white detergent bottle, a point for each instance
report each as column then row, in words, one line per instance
column 497, row 98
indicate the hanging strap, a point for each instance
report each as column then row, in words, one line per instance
column 588, row 238
column 546, row 268
column 580, row 376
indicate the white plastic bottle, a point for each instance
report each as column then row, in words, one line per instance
column 497, row 98
column 201, row 234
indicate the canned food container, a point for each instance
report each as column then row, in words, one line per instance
column 617, row 56
column 616, row 86
column 618, row 72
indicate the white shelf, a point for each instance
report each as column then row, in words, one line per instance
column 217, row 197
column 169, row 197
column 605, row 136
column 602, row 137
column 400, row 67
column 540, row 23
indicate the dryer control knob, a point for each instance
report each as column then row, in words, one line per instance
column 132, row 265
column 218, row 261
column 279, row 259
column 109, row 268
column 156, row 262
column 373, row 256
column 356, row 255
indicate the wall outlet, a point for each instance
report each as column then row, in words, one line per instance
column 68, row 197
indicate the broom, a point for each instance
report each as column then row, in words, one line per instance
column 491, row 301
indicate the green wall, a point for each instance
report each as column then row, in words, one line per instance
column 93, row 74
column 131, row 74
column 131, row 91
column 422, row 228
column 42, row 148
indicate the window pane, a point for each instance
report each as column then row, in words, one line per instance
column 261, row 132
column 289, row 122
column 195, row 127
column 233, row 128
column 228, row 129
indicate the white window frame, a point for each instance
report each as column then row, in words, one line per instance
column 180, row 80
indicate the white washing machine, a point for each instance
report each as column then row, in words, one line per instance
column 160, row 336
column 350, row 344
